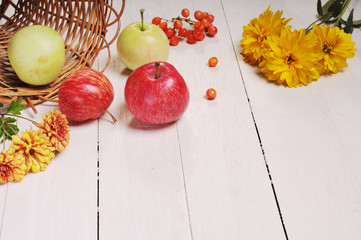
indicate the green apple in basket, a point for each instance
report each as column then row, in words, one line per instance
column 37, row 54
column 140, row 43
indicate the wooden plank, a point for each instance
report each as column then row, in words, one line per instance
column 227, row 187
column 141, row 183
column 3, row 193
column 61, row 202
column 227, row 183
column 310, row 136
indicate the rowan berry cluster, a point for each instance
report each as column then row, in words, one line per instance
column 197, row 31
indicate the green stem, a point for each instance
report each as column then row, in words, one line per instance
column 142, row 17
column 309, row 28
column 11, row 115
column 343, row 11
column 3, row 127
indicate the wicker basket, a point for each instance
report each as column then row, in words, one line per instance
column 82, row 24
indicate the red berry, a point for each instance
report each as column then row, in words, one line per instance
column 212, row 30
column 211, row 94
column 190, row 32
column 198, row 34
column 191, row 39
column 163, row 25
column 199, row 25
column 156, row 20
column 198, row 15
column 185, row 12
column 212, row 62
column 177, row 24
column 174, row 40
column 205, row 15
column 206, row 23
column 170, row 32
column 182, row 32
column 210, row 18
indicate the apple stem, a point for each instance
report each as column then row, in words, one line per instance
column 157, row 65
column 111, row 115
column 141, row 15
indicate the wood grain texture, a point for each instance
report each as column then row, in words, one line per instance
column 309, row 135
column 214, row 145
column 206, row 176
column 141, row 183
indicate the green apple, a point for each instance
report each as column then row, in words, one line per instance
column 37, row 54
column 140, row 43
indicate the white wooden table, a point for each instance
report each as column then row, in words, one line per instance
column 259, row 162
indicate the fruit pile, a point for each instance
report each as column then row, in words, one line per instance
column 199, row 28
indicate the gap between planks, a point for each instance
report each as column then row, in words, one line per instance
column 256, row 128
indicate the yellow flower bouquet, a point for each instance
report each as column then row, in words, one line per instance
column 298, row 57
column 34, row 149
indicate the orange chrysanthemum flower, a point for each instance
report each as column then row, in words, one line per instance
column 56, row 127
column 293, row 58
column 12, row 166
column 336, row 47
column 257, row 31
column 35, row 147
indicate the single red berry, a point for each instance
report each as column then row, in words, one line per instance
column 163, row 25
column 191, row 39
column 206, row 23
column 198, row 34
column 174, row 40
column 190, row 32
column 213, row 61
column 198, row 15
column 210, row 18
column 199, row 25
column 205, row 15
column 201, row 37
column 212, row 30
column 156, row 20
column 170, row 32
column 185, row 12
column 182, row 32
column 211, row 94
column 177, row 24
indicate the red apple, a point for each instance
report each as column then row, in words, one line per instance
column 84, row 95
column 156, row 93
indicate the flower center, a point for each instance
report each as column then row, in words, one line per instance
column 290, row 59
column 4, row 171
column 327, row 48
column 32, row 152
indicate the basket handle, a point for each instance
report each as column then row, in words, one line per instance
column 117, row 19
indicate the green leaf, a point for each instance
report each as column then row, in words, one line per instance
column 1, row 104
column 10, row 120
column 10, row 129
column 15, row 107
column 335, row 8
column 327, row 6
column 319, row 8
column 349, row 23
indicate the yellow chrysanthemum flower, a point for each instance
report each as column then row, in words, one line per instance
column 336, row 47
column 293, row 58
column 35, row 147
column 56, row 127
column 257, row 31
column 12, row 166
